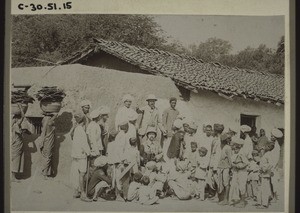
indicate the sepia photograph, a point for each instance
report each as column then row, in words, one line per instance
column 147, row 113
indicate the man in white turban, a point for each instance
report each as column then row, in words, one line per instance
column 86, row 106
column 94, row 133
column 124, row 110
column 248, row 144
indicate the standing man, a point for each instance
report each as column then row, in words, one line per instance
column 262, row 140
column 124, row 110
column 275, row 156
column 214, row 161
column 47, row 143
column 94, row 134
column 86, row 106
column 115, row 153
column 17, row 152
column 132, row 131
column 104, row 115
column 150, row 117
column 168, row 118
column 176, row 140
column 248, row 144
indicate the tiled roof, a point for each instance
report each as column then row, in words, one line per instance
column 192, row 73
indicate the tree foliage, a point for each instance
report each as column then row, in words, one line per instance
column 54, row 37
column 211, row 50
column 262, row 58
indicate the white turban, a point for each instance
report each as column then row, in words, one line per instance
column 277, row 133
column 95, row 114
column 104, row 110
column 178, row 123
column 127, row 97
column 101, row 161
column 85, row 103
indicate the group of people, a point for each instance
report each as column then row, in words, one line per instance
column 153, row 156
column 44, row 144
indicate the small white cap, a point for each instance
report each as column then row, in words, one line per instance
column 101, row 161
column 178, row 123
column 245, row 128
column 85, row 103
column 95, row 114
column 104, row 110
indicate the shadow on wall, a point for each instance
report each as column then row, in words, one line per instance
column 28, row 151
column 63, row 125
column 63, row 122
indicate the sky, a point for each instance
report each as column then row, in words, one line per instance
column 240, row 31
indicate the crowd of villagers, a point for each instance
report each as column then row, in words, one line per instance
column 152, row 156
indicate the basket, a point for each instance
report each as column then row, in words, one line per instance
column 50, row 107
column 16, row 110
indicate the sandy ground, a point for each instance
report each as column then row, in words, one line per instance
column 37, row 194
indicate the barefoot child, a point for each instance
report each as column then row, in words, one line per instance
column 200, row 173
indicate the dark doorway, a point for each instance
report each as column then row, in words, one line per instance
column 249, row 120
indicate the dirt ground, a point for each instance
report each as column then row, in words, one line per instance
column 53, row 195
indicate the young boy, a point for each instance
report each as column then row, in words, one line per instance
column 133, row 190
column 191, row 158
column 147, row 195
column 239, row 175
column 200, row 173
column 265, row 174
column 253, row 176
column 80, row 151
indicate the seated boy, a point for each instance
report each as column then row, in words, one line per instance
column 147, row 196
column 133, row 190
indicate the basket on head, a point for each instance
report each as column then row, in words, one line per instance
column 50, row 106
column 15, row 110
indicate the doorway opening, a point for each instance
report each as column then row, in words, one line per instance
column 252, row 121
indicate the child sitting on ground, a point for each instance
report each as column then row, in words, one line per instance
column 133, row 190
column 158, row 179
column 147, row 196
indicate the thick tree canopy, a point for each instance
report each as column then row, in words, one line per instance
column 211, row 50
column 53, row 37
